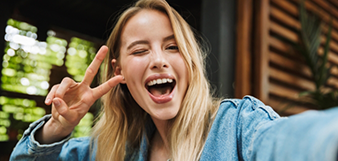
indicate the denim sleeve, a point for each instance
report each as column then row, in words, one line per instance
column 252, row 117
column 234, row 127
column 309, row 136
column 246, row 129
column 67, row 149
column 264, row 136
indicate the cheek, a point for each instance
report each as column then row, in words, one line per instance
column 181, row 70
column 180, row 65
column 134, row 68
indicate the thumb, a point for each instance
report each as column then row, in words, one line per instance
column 63, row 109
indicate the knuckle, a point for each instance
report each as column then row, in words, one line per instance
column 58, row 93
column 55, row 87
column 90, row 70
column 66, row 80
column 53, row 90
column 99, row 58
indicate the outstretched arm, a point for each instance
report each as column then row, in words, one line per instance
column 247, row 129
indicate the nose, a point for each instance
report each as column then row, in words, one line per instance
column 158, row 60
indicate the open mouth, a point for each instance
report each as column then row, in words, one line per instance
column 161, row 87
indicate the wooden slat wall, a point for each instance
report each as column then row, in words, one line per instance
column 243, row 84
column 260, row 49
column 279, row 74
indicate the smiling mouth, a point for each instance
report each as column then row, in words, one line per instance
column 161, row 87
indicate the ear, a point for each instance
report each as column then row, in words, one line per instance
column 118, row 70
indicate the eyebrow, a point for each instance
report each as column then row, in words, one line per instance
column 147, row 42
column 137, row 42
column 169, row 38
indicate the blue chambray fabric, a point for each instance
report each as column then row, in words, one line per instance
column 244, row 129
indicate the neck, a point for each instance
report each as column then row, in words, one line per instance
column 162, row 129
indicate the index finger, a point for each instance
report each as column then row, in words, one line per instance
column 95, row 65
column 106, row 86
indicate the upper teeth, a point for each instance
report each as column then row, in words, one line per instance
column 159, row 81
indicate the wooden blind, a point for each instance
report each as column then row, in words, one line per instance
column 277, row 74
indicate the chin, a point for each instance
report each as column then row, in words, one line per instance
column 166, row 115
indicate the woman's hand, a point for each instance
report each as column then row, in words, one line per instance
column 71, row 101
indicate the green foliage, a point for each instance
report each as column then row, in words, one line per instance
column 310, row 40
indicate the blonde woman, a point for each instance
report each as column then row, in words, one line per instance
column 157, row 106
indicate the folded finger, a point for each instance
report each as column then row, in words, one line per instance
column 107, row 86
column 63, row 110
column 95, row 65
column 65, row 84
column 51, row 95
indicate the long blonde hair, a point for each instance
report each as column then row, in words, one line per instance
column 122, row 123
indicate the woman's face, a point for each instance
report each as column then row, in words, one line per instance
column 152, row 65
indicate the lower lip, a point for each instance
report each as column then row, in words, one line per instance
column 163, row 98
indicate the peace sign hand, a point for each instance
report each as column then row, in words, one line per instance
column 71, row 101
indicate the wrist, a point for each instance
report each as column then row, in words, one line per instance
column 52, row 131
column 56, row 128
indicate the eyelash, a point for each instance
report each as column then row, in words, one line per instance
column 172, row 47
column 139, row 52
column 169, row 48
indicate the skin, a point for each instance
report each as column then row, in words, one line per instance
column 71, row 101
column 148, row 51
column 148, row 44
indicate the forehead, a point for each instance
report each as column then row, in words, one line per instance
column 146, row 24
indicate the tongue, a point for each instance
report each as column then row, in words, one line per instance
column 158, row 91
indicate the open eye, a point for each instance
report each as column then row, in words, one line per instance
column 173, row 47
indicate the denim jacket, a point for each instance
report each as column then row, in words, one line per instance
column 243, row 129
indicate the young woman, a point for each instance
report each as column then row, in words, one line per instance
column 157, row 106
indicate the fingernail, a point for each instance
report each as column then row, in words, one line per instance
column 47, row 100
column 56, row 103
